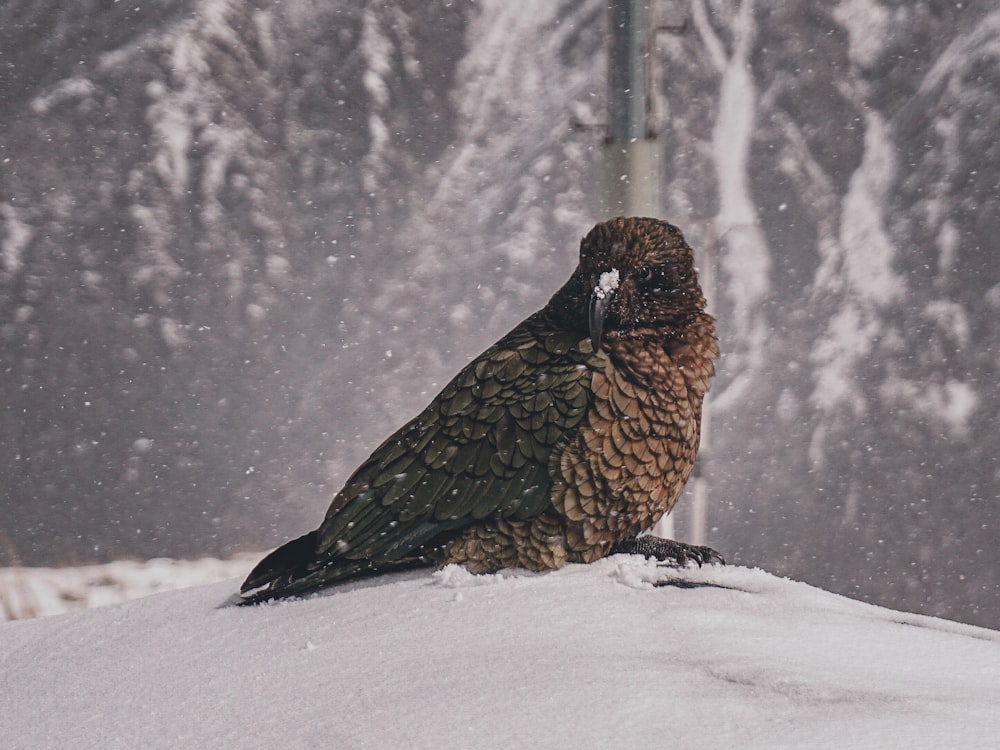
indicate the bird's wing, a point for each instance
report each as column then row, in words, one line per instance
column 481, row 448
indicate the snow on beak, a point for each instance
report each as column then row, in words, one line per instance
column 600, row 300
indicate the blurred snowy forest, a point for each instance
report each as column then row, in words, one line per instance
column 241, row 242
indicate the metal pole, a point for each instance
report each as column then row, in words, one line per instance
column 631, row 155
column 698, row 518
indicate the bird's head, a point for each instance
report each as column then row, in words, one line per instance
column 635, row 275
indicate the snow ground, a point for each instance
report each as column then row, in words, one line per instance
column 587, row 656
column 37, row 592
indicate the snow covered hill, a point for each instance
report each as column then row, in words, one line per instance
column 588, row 656
column 38, row 592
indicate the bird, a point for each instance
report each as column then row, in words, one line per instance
column 563, row 442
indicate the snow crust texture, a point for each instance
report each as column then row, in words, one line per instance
column 615, row 654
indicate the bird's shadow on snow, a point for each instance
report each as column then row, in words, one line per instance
column 683, row 583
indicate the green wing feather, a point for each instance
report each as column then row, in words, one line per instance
column 481, row 448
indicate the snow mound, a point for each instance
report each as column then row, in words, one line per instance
column 37, row 592
column 616, row 654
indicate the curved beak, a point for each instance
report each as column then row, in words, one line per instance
column 600, row 300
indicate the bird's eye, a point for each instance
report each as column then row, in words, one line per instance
column 644, row 274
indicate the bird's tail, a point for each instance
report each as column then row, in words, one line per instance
column 287, row 572
column 295, row 569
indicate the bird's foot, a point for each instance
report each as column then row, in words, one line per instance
column 669, row 551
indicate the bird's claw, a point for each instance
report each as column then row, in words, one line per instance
column 669, row 551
